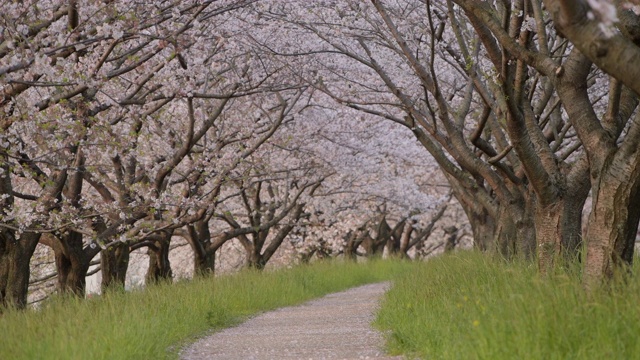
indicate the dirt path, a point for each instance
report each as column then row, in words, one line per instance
column 337, row 326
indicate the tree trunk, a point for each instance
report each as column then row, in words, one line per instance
column 353, row 241
column 256, row 261
column 483, row 227
column 114, row 262
column 483, row 223
column 394, row 243
column 205, row 263
column 515, row 231
column 71, row 263
column 372, row 247
column 526, row 230
column 547, row 221
column 305, row 257
column 405, row 239
column 452, row 238
column 375, row 246
column 159, row 265
column 15, row 255
column 558, row 230
column 71, row 275
column 612, row 224
column 204, row 249
column 505, row 234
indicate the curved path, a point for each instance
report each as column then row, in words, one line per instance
column 337, row 326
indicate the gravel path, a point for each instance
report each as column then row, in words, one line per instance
column 337, row 326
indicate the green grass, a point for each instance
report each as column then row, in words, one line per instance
column 155, row 322
column 466, row 306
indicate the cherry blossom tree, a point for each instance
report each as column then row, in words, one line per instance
column 606, row 132
column 605, row 35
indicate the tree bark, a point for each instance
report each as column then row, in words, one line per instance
column 483, row 227
column 14, row 268
column 394, row 243
column 484, row 223
column 204, row 246
column 613, row 222
column 353, row 240
column 198, row 236
column 159, row 265
column 405, row 239
column 505, row 234
column 559, row 229
column 114, row 262
column 204, row 263
column 452, row 238
column 375, row 246
column 526, row 230
column 256, row 261
column 72, row 263
column 371, row 247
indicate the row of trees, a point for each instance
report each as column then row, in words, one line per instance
column 127, row 123
column 527, row 106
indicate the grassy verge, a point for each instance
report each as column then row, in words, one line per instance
column 466, row 306
column 155, row 322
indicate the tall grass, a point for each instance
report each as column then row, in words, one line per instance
column 155, row 322
column 466, row 306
